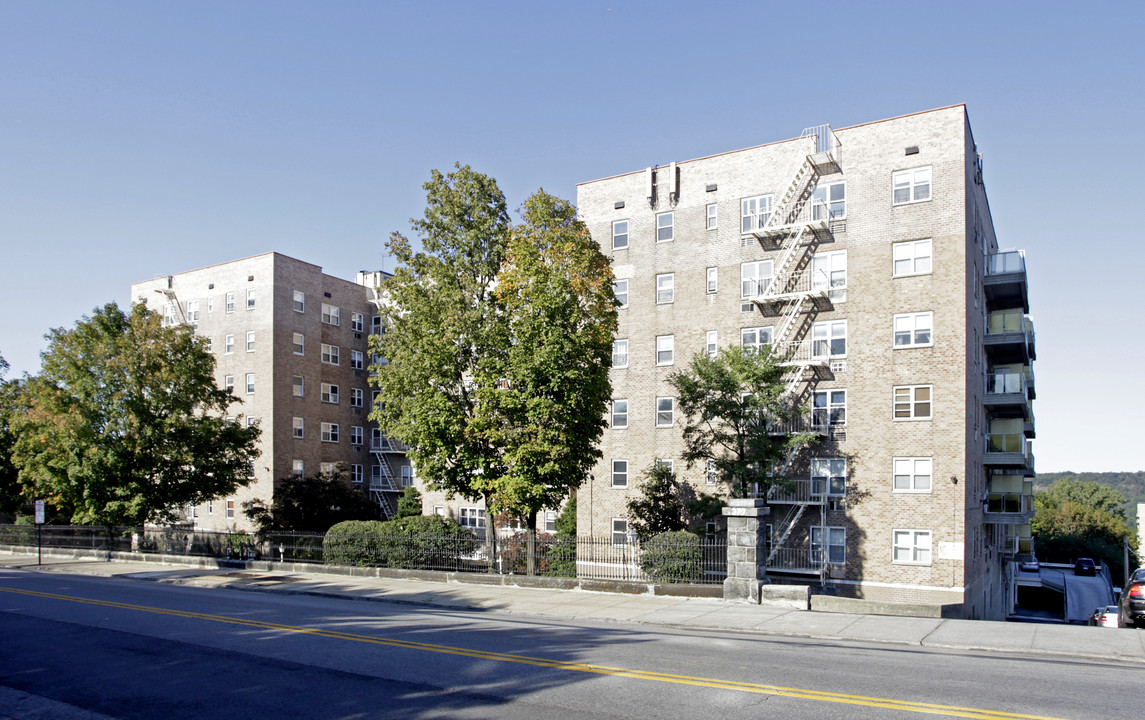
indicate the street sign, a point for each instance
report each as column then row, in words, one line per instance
column 39, row 512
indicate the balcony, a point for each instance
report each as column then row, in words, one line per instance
column 1008, row 395
column 807, row 492
column 791, row 285
column 804, row 215
column 1010, row 337
column 1005, row 281
column 1010, row 500
column 804, row 353
column 387, row 445
column 1010, row 450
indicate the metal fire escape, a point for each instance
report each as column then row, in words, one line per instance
column 383, row 488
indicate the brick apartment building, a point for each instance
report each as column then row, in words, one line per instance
column 868, row 253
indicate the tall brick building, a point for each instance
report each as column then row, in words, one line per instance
column 291, row 342
column 868, row 253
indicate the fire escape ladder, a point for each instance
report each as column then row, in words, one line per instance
column 788, row 322
column 790, row 525
column 173, row 300
column 382, row 488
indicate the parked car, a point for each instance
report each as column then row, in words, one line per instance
column 1029, row 565
column 1131, row 605
column 1105, row 617
column 1085, row 566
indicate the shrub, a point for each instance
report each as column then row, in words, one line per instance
column 353, row 542
column 672, row 557
column 423, row 541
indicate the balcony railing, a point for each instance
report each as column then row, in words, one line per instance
column 1005, row 383
column 755, row 287
column 1006, row 262
column 805, row 491
column 1009, row 503
column 385, row 444
column 1008, row 443
column 804, row 352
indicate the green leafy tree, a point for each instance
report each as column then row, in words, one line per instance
column 731, row 403
column 1081, row 518
column 124, row 424
column 659, row 508
column 313, row 503
column 11, row 501
column 566, row 520
column 409, row 504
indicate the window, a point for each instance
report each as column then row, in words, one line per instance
column 298, row 427
column 357, row 322
column 913, row 330
column 230, row 508
column 299, row 385
column 229, row 383
column 912, row 547
column 208, row 344
column 712, row 216
column 376, row 438
column 619, row 353
column 828, row 409
column 230, row 305
column 755, row 338
column 754, row 213
column 250, row 299
column 912, row 474
column 329, row 393
column 357, row 474
column 664, row 227
column 836, row 545
column 665, row 411
column 829, row 474
column 829, row 339
column 250, row 341
column 376, row 325
column 407, row 475
column 912, row 258
column 331, row 315
column 330, row 432
column 357, row 359
column 229, row 344
column 665, row 288
column 357, row 435
column 169, row 317
column 299, row 344
column 711, row 344
column 619, row 473
column 471, row 517
column 829, row 202
column 299, row 301
column 550, row 522
column 665, row 345
column 711, row 472
column 210, row 304
column 713, row 277
column 619, row 531
column 667, row 463
column 331, row 354
column 439, row 510
column 911, row 185
column 192, row 311
column 620, row 289
column 912, row 402
column 251, row 421
column 829, row 273
column 755, row 278
column 250, row 383
column 619, row 414
column 357, row 397
column 619, row 234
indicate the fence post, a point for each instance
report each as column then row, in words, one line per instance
column 747, row 549
column 531, row 551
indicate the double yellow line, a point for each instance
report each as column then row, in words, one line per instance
column 905, row 705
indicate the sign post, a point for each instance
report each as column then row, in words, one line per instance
column 39, row 535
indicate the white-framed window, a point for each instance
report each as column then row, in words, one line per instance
column 357, row 360
column 299, row 301
column 169, row 317
column 299, row 386
column 376, row 325
column 711, row 343
column 914, row 330
column 376, row 438
column 250, row 341
column 619, row 531
column 712, row 216
column 192, row 311
column 913, row 474
column 830, row 475
column 331, row 354
column 230, row 508
column 665, row 411
column 664, row 228
column 357, row 474
column 836, row 538
column 619, row 473
column 357, row 322
column 327, row 468
column 250, row 383
column 299, row 343
column 250, row 299
column 208, row 344
column 210, row 507
column 619, row 234
column 331, row 315
column 620, row 289
column 754, row 213
column 406, row 475
column 230, row 304
column 471, row 517
column 754, row 338
column 229, row 383
column 619, row 353
column 711, row 473
column 329, row 432
column 912, row 402
column 911, row 547
column 229, row 345
column 713, row 280
column 667, row 463
column 357, row 397
column 251, row 421
column 829, row 273
column 912, row 258
column 829, row 339
column 298, row 427
column 665, row 349
column 829, row 201
column 911, row 186
column 329, row 393
column 210, row 304
column 357, row 435
column 665, row 288
column 619, row 414
column 755, row 277
column 828, row 408
column 550, row 521
column 297, row 467
column 439, row 510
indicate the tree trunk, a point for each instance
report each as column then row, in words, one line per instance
column 531, row 544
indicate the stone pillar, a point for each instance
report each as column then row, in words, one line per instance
column 747, row 549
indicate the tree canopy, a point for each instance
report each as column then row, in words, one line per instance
column 10, row 398
column 1081, row 518
column 313, row 503
column 124, row 424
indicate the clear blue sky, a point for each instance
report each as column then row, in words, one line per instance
column 141, row 139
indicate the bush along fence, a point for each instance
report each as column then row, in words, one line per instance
column 419, row 543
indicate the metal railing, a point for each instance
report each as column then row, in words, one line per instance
column 1005, row 383
column 1007, row 443
column 1006, row 262
column 1009, row 503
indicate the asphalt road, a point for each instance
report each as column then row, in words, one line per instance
column 87, row 647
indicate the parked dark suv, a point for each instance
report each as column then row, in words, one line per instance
column 1085, row 566
column 1131, row 606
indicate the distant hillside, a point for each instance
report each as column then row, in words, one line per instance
column 1129, row 484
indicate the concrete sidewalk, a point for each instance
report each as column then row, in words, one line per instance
column 690, row 613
